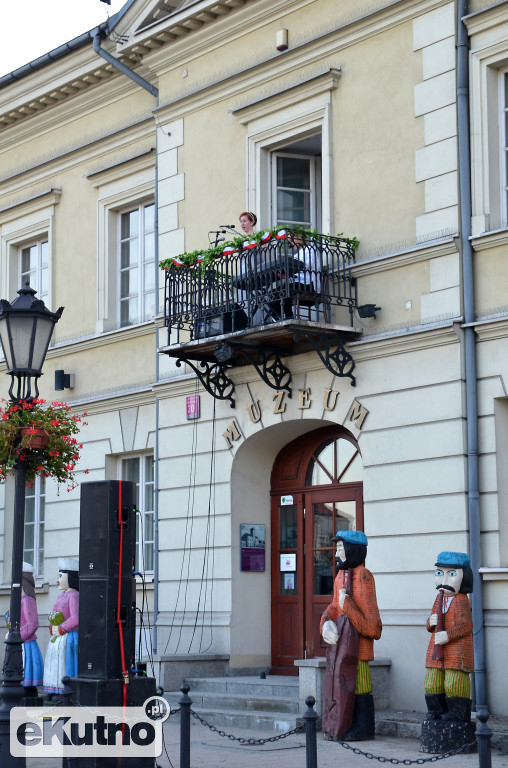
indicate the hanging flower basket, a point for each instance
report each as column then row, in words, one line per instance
column 33, row 438
column 43, row 436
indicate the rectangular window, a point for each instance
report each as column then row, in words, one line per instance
column 137, row 264
column 33, row 549
column 33, row 266
column 503, row 96
column 295, row 187
column 140, row 470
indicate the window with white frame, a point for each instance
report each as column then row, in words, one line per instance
column 296, row 187
column 33, row 548
column 140, row 470
column 34, row 267
column 136, row 244
column 503, row 143
column 289, row 154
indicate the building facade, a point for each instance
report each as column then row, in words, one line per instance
column 132, row 146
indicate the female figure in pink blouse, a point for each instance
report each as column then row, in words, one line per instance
column 62, row 654
column 32, row 657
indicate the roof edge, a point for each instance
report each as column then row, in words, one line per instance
column 103, row 29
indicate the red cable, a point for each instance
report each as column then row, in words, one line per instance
column 118, row 604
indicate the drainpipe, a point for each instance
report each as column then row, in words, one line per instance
column 125, row 70
column 471, row 369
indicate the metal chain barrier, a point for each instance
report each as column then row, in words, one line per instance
column 394, row 760
column 241, row 739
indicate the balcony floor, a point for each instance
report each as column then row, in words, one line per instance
column 280, row 336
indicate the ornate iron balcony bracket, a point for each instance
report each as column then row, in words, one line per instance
column 332, row 353
column 269, row 365
column 214, row 379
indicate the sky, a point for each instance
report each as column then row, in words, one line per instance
column 31, row 28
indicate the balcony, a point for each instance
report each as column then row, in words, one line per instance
column 260, row 304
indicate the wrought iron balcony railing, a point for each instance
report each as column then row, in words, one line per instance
column 286, row 277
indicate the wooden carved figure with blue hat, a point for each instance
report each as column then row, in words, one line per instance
column 449, row 659
column 349, row 626
column 62, row 654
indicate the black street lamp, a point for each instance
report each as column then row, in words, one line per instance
column 26, row 327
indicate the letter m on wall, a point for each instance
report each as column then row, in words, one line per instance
column 232, row 433
column 357, row 414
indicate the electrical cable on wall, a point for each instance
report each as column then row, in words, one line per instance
column 206, row 562
column 189, row 516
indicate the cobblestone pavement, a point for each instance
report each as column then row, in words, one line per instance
column 209, row 750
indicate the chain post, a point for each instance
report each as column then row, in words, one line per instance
column 310, row 718
column 185, row 705
column 483, row 735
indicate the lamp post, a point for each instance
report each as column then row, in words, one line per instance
column 26, row 327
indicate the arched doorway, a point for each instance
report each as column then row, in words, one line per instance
column 316, row 489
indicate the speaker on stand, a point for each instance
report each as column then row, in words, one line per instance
column 107, row 609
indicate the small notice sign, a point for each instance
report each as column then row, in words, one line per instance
column 193, row 407
column 288, row 562
column 286, row 500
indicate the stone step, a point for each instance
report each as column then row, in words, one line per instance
column 235, row 701
column 239, row 720
column 274, row 686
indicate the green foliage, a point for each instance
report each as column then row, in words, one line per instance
column 206, row 257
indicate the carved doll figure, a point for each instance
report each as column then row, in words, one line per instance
column 350, row 625
column 449, row 659
column 62, row 653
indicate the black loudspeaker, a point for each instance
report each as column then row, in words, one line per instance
column 103, row 534
column 108, row 693
column 99, row 534
column 99, row 651
column 215, row 325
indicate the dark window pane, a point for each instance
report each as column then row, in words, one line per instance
column 287, row 518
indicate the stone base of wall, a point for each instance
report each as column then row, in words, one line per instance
column 171, row 671
column 311, row 673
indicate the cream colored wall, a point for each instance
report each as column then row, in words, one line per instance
column 409, row 378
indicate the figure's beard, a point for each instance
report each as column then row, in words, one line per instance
column 340, row 564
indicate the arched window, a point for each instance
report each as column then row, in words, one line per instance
column 335, row 461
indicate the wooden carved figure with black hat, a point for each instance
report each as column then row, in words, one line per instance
column 349, row 626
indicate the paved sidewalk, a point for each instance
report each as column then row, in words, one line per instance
column 209, row 750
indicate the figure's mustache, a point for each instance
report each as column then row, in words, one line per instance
column 445, row 586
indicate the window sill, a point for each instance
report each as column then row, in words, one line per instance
column 41, row 588
column 494, row 574
column 146, row 583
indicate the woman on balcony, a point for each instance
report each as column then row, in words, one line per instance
column 248, row 221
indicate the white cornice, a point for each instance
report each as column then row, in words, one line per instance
column 395, row 260
column 98, row 149
column 126, row 166
column 295, row 93
column 72, row 346
column 314, row 54
column 30, row 204
column 412, row 340
column 486, row 18
column 490, row 240
column 491, row 329
column 82, row 70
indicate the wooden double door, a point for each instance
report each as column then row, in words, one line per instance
column 316, row 490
